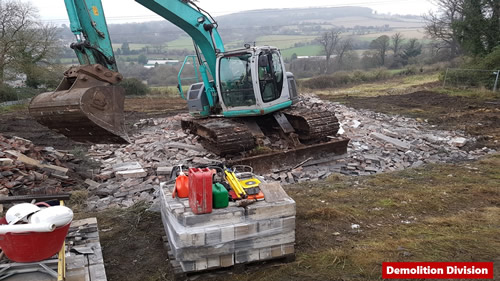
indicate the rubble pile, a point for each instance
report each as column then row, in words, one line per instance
column 379, row 143
column 26, row 168
column 383, row 143
column 130, row 173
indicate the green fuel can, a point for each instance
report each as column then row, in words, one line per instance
column 220, row 196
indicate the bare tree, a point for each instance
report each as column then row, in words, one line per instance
column 343, row 47
column 396, row 40
column 442, row 26
column 24, row 41
column 36, row 46
column 329, row 41
column 381, row 45
column 493, row 29
column 14, row 18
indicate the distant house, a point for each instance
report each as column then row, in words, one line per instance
column 315, row 57
column 152, row 63
column 18, row 81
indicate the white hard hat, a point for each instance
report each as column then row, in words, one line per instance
column 20, row 212
column 58, row 215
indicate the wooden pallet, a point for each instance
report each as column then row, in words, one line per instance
column 180, row 275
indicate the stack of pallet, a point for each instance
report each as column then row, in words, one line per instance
column 234, row 235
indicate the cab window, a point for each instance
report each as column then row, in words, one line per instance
column 270, row 76
column 236, row 81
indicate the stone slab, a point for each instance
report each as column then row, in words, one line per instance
column 138, row 173
column 396, row 142
column 127, row 166
column 263, row 210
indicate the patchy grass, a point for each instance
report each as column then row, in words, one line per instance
column 480, row 94
column 181, row 43
column 395, row 86
column 167, row 91
column 445, row 212
column 308, row 50
column 13, row 108
column 132, row 244
column 435, row 213
column 283, row 41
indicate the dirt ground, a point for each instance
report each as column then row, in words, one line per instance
column 20, row 123
column 447, row 212
column 476, row 116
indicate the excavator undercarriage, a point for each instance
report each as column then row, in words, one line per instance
column 307, row 134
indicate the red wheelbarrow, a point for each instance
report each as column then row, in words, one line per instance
column 32, row 246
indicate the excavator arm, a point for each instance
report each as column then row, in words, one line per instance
column 195, row 22
column 88, row 24
column 202, row 28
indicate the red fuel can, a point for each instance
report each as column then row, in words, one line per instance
column 200, row 190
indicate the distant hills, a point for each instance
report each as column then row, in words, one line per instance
column 294, row 31
column 256, row 23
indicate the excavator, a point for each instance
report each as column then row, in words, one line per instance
column 243, row 95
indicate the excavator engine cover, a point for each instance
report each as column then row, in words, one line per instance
column 85, row 107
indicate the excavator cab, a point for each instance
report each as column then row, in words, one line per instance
column 252, row 82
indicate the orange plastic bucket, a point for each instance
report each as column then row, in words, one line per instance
column 181, row 187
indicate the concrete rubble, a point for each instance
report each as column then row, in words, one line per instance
column 379, row 143
column 132, row 173
column 384, row 143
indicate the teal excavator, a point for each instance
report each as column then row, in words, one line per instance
column 242, row 95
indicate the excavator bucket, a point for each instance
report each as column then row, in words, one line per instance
column 85, row 107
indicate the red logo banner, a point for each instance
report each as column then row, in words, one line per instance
column 437, row 270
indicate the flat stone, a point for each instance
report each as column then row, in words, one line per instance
column 397, row 143
column 127, row 166
column 458, row 142
column 138, row 173
column 6, row 161
column 92, row 183
column 185, row 146
column 164, row 171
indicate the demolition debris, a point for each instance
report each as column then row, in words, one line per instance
column 133, row 172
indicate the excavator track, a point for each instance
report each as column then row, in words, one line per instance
column 310, row 125
column 225, row 136
column 221, row 136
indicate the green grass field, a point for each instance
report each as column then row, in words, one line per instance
column 309, row 50
column 180, row 43
column 284, row 41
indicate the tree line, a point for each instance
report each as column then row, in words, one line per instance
column 459, row 27
column 26, row 44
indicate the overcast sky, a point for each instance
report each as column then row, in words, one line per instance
column 119, row 11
